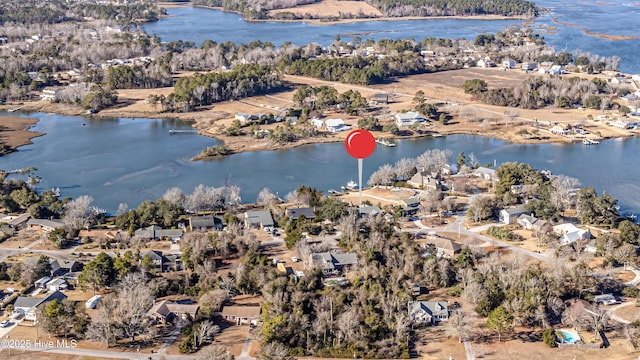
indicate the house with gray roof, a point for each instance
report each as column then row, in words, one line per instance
column 486, row 173
column 368, row 210
column 156, row 232
column 258, row 219
column 205, row 223
column 162, row 263
column 29, row 305
column 296, row 213
column 445, row 248
column 18, row 221
column 60, row 267
column 410, row 206
column 428, row 312
column 45, row 224
column 510, row 215
column 426, row 180
column 333, row 262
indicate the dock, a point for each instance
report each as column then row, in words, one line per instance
column 16, row 109
column 590, row 142
column 183, row 131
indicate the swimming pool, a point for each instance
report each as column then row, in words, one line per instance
column 568, row 336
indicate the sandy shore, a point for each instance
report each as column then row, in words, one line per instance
column 14, row 132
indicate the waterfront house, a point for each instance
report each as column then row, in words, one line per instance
column 258, row 219
column 49, row 94
column 242, row 315
column 333, row 262
column 17, row 222
column 428, row 312
column 559, row 130
column 425, row 180
column 620, row 124
column 409, row 118
column 335, row 125
column 510, row 216
column 486, row 173
column 205, row 223
column 368, row 210
column 45, row 224
column 295, row 213
column 529, row 65
column 156, row 232
column 29, row 305
column 569, row 233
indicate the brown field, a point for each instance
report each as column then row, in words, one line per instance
column 332, row 8
column 377, row 196
column 631, row 313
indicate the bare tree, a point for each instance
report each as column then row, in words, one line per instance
column 385, row 175
column 214, row 299
column 563, row 194
column 266, row 197
column 175, row 197
column 122, row 208
column 457, row 325
column 76, row 212
column 404, row 168
column 204, row 331
column 103, row 326
column 133, row 299
column 214, row 352
column 274, row 351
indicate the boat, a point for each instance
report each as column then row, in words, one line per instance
column 590, row 142
column 351, row 185
column 385, row 142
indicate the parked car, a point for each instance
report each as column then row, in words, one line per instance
column 5, row 323
column 294, row 259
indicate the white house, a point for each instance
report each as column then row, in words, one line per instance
column 556, row 70
column 559, row 130
column 428, row 312
column 242, row 117
column 49, row 94
column 485, row 63
column 569, row 233
column 317, row 123
column 509, row 216
column 409, row 118
column 486, row 173
column 508, row 63
column 620, row 124
column 336, row 125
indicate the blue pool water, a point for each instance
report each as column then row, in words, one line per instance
column 568, row 337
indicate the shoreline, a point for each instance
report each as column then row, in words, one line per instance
column 241, row 144
column 15, row 131
column 320, row 21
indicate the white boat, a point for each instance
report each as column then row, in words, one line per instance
column 351, row 185
column 385, row 142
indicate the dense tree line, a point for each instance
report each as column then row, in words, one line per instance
column 455, row 7
column 57, row 11
column 555, row 91
column 242, row 81
column 138, row 77
column 358, row 70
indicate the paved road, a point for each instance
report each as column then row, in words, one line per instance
column 98, row 353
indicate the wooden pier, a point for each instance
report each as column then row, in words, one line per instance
column 183, row 131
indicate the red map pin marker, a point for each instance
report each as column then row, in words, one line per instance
column 360, row 144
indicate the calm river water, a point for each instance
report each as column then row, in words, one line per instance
column 130, row 160
column 600, row 17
